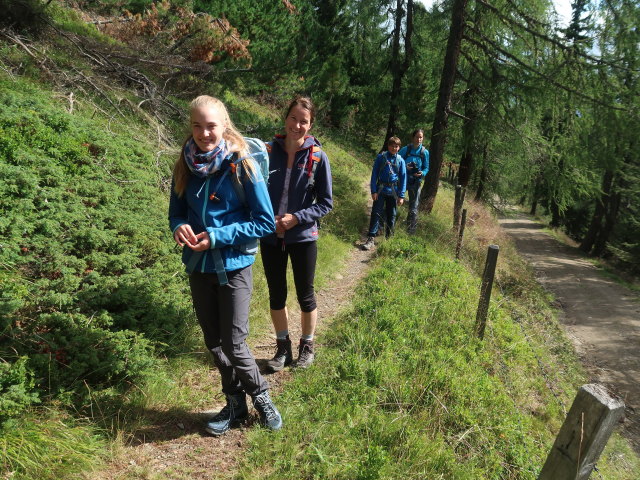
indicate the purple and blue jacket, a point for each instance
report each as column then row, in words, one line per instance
column 307, row 204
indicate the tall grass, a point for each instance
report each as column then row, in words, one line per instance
column 49, row 446
column 403, row 388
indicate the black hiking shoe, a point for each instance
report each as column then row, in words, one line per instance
column 269, row 415
column 283, row 356
column 231, row 415
column 305, row 353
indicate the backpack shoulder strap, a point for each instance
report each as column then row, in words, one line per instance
column 237, row 183
column 312, row 165
column 409, row 149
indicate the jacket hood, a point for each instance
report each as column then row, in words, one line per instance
column 309, row 141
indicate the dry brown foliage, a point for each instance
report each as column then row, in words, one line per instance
column 197, row 37
column 289, row 6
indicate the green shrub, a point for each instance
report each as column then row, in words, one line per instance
column 16, row 388
column 85, row 259
column 72, row 351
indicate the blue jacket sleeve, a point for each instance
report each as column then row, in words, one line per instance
column 402, row 177
column 262, row 221
column 324, row 194
column 375, row 172
column 178, row 210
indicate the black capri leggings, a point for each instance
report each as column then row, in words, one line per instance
column 303, row 262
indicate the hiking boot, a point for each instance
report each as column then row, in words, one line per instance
column 369, row 244
column 283, row 356
column 231, row 415
column 305, row 353
column 412, row 223
column 269, row 415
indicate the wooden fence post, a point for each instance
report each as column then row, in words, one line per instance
column 461, row 232
column 583, row 435
column 457, row 206
column 485, row 290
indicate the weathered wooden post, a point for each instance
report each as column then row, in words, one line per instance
column 461, row 232
column 485, row 290
column 457, row 206
column 583, row 435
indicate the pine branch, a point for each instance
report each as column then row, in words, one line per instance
column 477, row 68
column 549, row 79
column 555, row 41
column 529, row 19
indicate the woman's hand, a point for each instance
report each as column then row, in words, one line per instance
column 184, row 236
column 400, row 201
column 374, row 196
column 285, row 222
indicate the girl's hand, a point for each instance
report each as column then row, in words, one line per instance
column 285, row 222
column 184, row 236
column 400, row 201
column 203, row 243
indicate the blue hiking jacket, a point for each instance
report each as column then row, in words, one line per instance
column 307, row 205
column 420, row 157
column 387, row 170
column 229, row 222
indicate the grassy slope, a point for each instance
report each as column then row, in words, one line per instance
column 406, row 391
column 85, row 196
column 401, row 390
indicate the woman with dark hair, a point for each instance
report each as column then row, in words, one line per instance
column 417, row 159
column 300, row 192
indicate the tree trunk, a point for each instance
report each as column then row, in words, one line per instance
column 483, row 174
column 555, row 212
column 469, row 127
column 596, row 221
column 441, row 120
column 536, row 196
column 611, row 217
column 399, row 68
column 468, row 138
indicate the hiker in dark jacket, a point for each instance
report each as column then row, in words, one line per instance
column 417, row 159
column 388, row 184
column 300, row 191
column 218, row 233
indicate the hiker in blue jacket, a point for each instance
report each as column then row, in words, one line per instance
column 218, row 232
column 300, row 191
column 388, row 184
column 417, row 159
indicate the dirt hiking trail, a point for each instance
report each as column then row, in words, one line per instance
column 175, row 446
column 601, row 317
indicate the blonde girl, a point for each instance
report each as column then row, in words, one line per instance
column 218, row 232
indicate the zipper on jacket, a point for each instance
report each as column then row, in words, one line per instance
column 204, row 218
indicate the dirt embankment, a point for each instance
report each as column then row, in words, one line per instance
column 601, row 317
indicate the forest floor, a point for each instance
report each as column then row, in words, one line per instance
column 601, row 317
column 176, row 447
